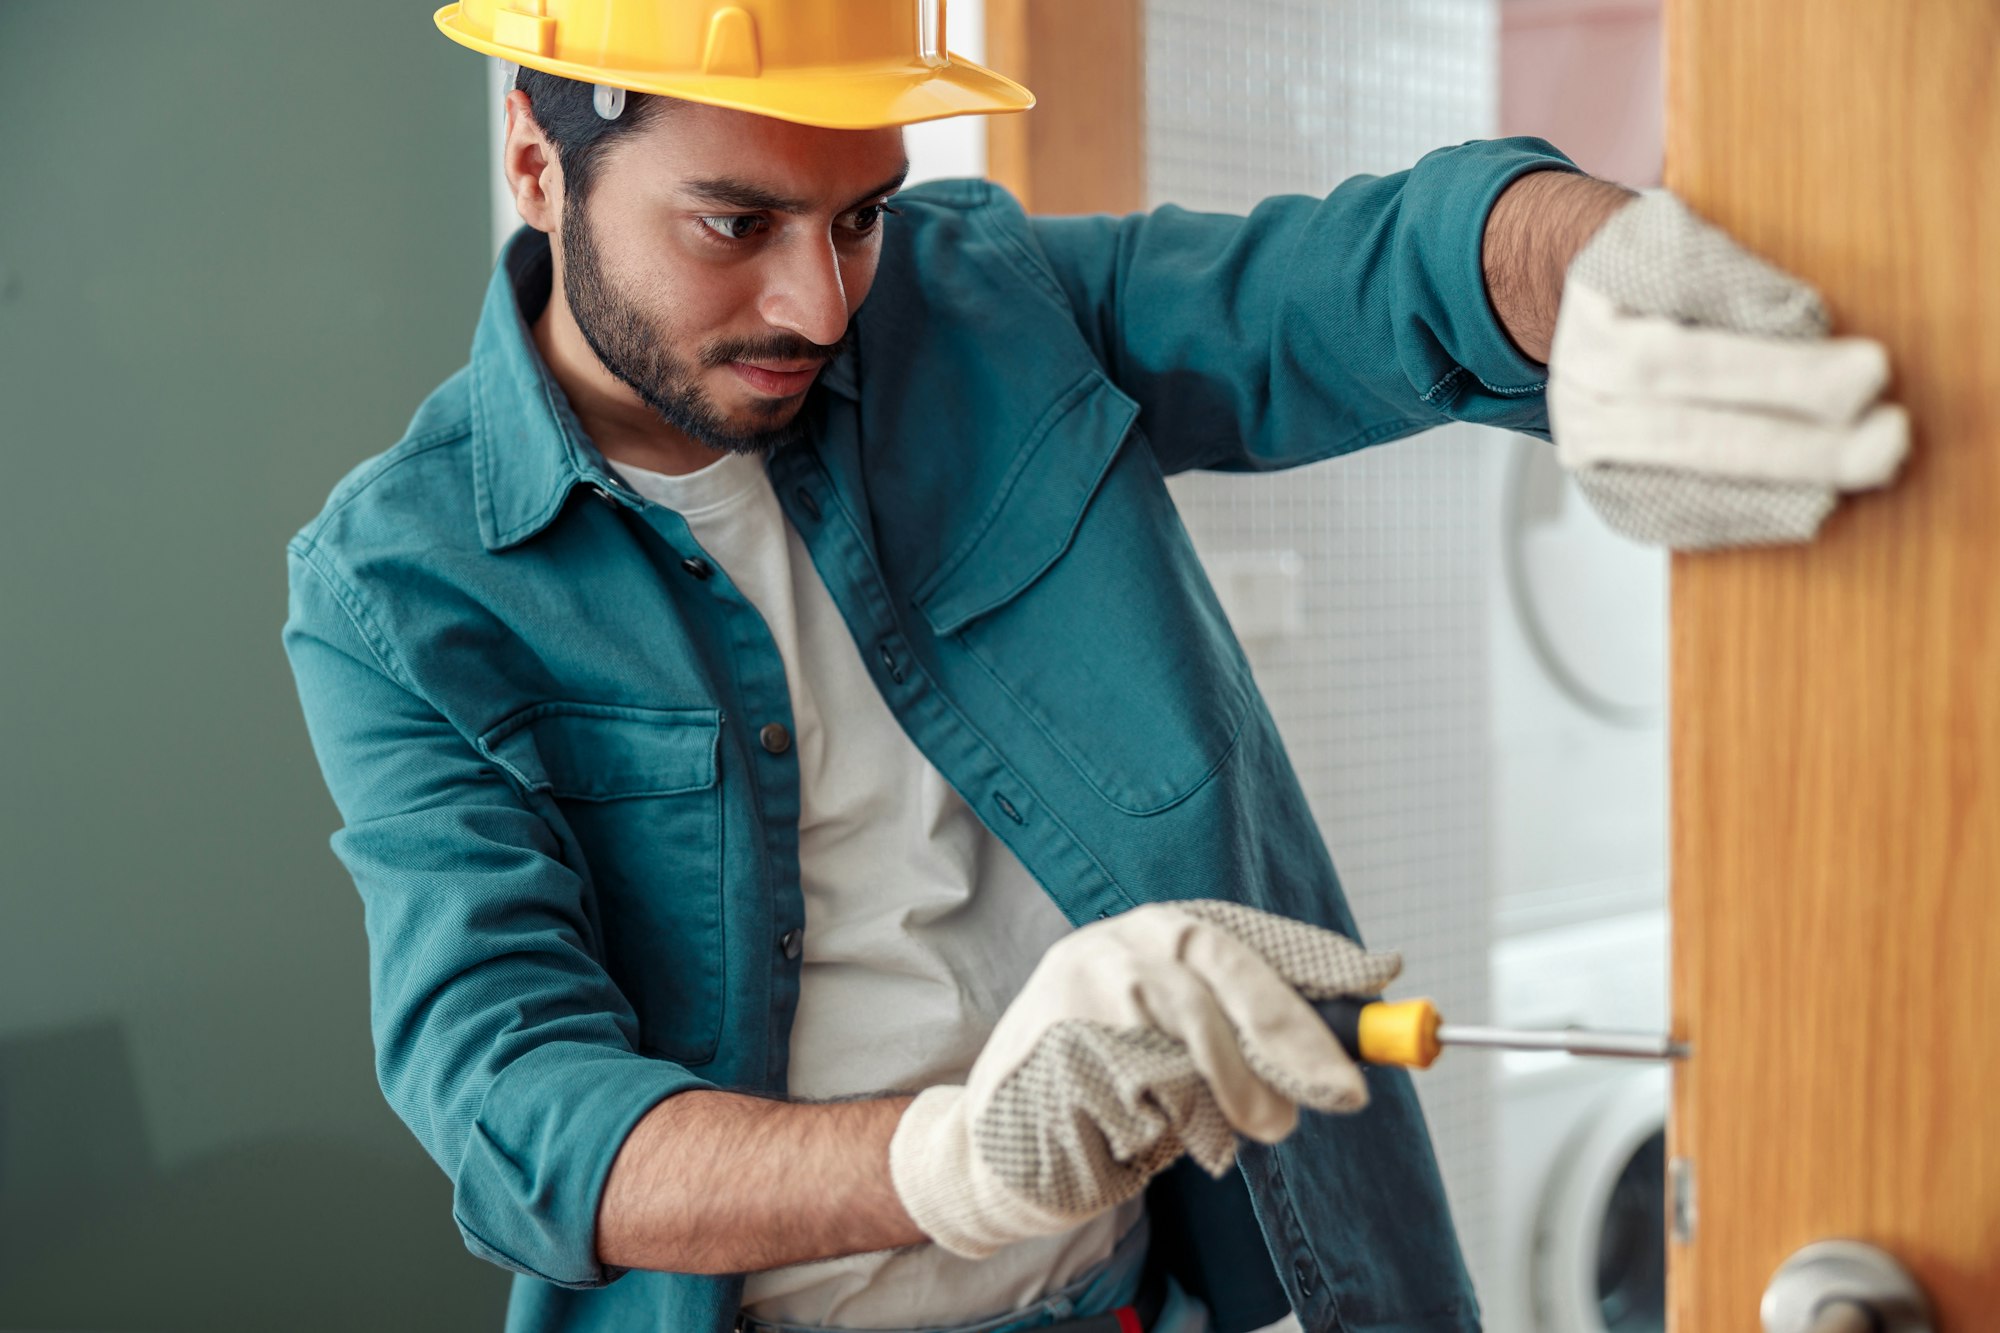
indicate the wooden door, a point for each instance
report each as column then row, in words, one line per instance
column 1836, row 707
column 1083, row 148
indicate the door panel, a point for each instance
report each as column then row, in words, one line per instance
column 1836, row 708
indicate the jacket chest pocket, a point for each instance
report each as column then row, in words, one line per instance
column 1080, row 594
column 639, row 791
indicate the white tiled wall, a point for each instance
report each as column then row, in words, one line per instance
column 1382, row 691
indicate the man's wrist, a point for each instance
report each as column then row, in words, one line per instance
column 1534, row 230
column 724, row 1182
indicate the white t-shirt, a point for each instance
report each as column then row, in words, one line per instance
column 920, row 924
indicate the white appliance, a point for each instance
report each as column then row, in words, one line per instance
column 1581, row 1236
column 1578, row 673
column 1577, row 660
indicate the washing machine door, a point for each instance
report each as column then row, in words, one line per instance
column 1601, row 1242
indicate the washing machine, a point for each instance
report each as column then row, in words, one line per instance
column 1581, row 1241
column 1574, row 1235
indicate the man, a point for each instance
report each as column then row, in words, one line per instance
column 825, row 859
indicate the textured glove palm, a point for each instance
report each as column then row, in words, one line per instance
column 1166, row 1030
column 1695, row 396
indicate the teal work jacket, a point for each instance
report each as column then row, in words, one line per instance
column 551, row 729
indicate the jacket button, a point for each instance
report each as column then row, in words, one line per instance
column 1303, row 1272
column 793, row 943
column 775, row 738
column 697, row 566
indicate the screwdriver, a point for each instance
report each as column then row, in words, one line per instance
column 1412, row 1034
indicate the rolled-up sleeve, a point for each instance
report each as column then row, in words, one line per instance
column 1312, row 326
column 500, row 1040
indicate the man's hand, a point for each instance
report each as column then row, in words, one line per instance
column 1167, row 1030
column 1694, row 393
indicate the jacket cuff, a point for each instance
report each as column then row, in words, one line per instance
column 1449, row 338
column 539, row 1151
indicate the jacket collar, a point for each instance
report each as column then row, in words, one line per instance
column 528, row 448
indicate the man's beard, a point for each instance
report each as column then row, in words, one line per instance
column 632, row 349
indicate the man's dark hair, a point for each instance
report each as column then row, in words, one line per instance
column 564, row 110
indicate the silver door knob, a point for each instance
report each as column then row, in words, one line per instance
column 1844, row 1286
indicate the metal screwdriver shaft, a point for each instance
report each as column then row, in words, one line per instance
column 1574, row 1041
column 1411, row 1034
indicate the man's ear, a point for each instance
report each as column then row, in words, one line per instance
column 534, row 174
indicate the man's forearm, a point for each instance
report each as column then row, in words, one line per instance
column 1536, row 227
column 717, row 1182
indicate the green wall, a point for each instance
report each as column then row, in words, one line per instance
column 238, row 243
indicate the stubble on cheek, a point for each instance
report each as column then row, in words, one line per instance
column 639, row 330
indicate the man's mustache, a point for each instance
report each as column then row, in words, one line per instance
column 776, row 347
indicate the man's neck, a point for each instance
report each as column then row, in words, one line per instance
column 616, row 419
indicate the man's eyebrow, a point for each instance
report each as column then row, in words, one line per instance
column 890, row 186
column 728, row 192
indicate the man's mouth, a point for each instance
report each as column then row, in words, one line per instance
column 778, row 379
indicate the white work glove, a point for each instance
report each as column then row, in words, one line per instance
column 1168, row 1029
column 1694, row 393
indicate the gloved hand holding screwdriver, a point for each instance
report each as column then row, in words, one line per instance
column 1166, row 1030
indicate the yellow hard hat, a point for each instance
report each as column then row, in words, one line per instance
column 842, row 64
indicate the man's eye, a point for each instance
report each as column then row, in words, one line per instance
column 867, row 219
column 737, row 227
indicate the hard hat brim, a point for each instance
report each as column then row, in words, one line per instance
column 830, row 99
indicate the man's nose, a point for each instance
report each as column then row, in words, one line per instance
column 806, row 293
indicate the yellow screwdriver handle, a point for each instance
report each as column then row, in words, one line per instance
column 1403, row 1033
column 1400, row 1032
